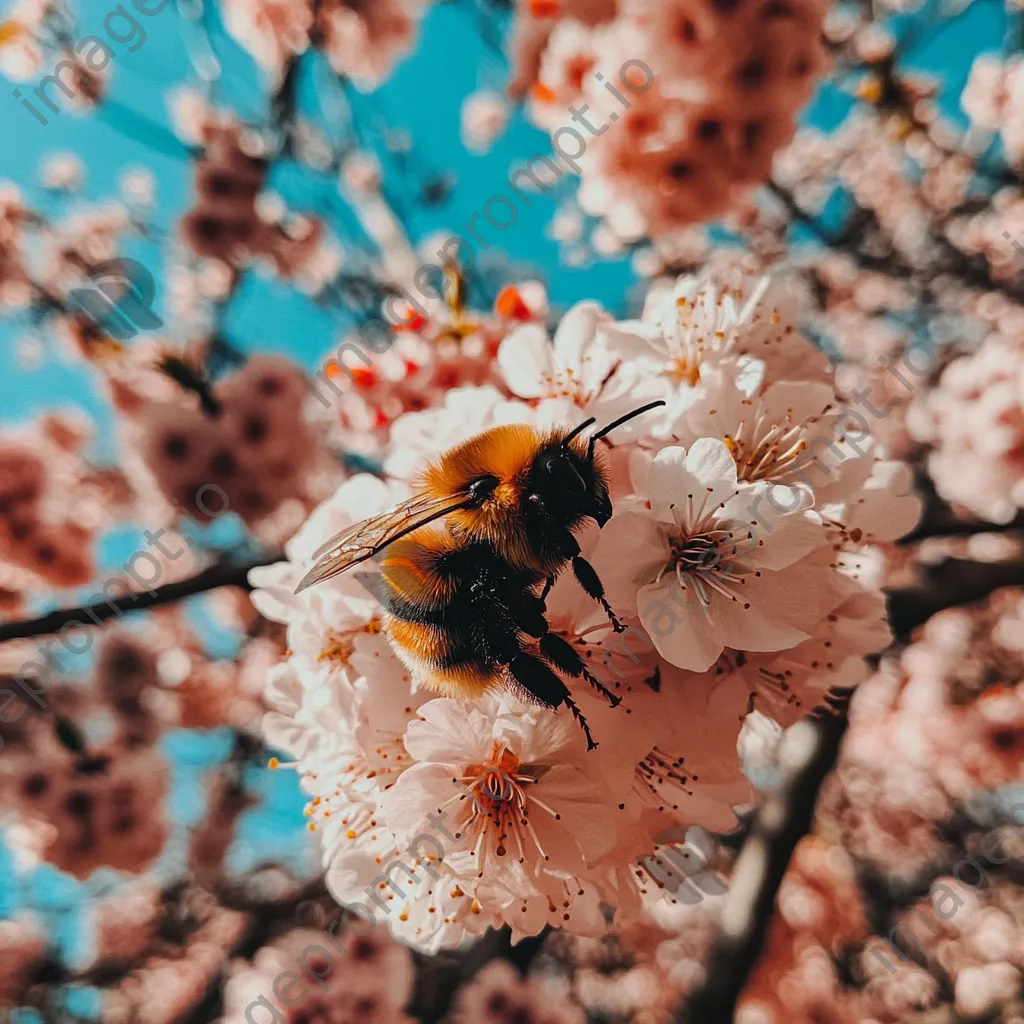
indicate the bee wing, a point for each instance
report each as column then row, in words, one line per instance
column 363, row 540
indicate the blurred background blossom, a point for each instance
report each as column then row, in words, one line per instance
column 289, row 170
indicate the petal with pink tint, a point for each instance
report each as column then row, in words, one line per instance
column 684, row 636
column 583, row 810
column 448, row 730
column 526, row 360
column 576, row 333
column 775, row 612
column 631, row 551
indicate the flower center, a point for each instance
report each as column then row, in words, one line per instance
column 664, row 781
column 706, row 554
column 501, row 802
column 339, row 647
column 497, row 786
column 704, row 551
column 684, row 370
column 690, row 345
column 566, row 383
column 767, row 450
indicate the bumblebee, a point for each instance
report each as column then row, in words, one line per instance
column 467, row 563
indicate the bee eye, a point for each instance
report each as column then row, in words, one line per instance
column 482, row 486
column 565, row 474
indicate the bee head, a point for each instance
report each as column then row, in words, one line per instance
column 569, row 483
column 569, row 479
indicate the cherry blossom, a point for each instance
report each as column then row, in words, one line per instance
column 574, row 367
column 484, row 117
column 737, row 575
column 524, row 813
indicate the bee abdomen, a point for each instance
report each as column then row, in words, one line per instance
column 437, row 660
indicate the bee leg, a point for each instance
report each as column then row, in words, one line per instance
column 543, row 684
column 591, row 583
column 578, row 715
column 588, row 578
column 538, row 678
column 528, row 613
column 567, row 658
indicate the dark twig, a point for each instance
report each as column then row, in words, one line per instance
column 807, row 754
column 946, row 524
column 84, row 615
column 438, row 978
column 954, row 582
column 939, row 519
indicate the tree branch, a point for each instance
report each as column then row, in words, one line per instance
column 209, row 579
column 807, row 753
column 955, row 581
column 939, row 519
column 440, row 977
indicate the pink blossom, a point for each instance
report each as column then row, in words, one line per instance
column 744, row 330
column 113, row 818
column 251, row 455
column 573, row 367
column 526, row 814
column 21, row 55
column 991, row 100
column 689, row 543
column 690, row 144
column 497, row 995
column 536, row 22
column 346, row 979
column 273, row 31
column 365, row 39
column 43, row 537
column 569, row 56
column 974, row 422
column 484, row 116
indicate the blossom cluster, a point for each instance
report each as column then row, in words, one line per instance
column 973, row 421
column 743, row 557
column 40, row 542
column 78, row 801
column 251, row 446
column 361, row 40
column 992, row 99
column 369, row 981
column 919, row 804
column 725, row 82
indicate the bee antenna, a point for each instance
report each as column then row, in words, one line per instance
column 579, row 430
column 622, row 419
